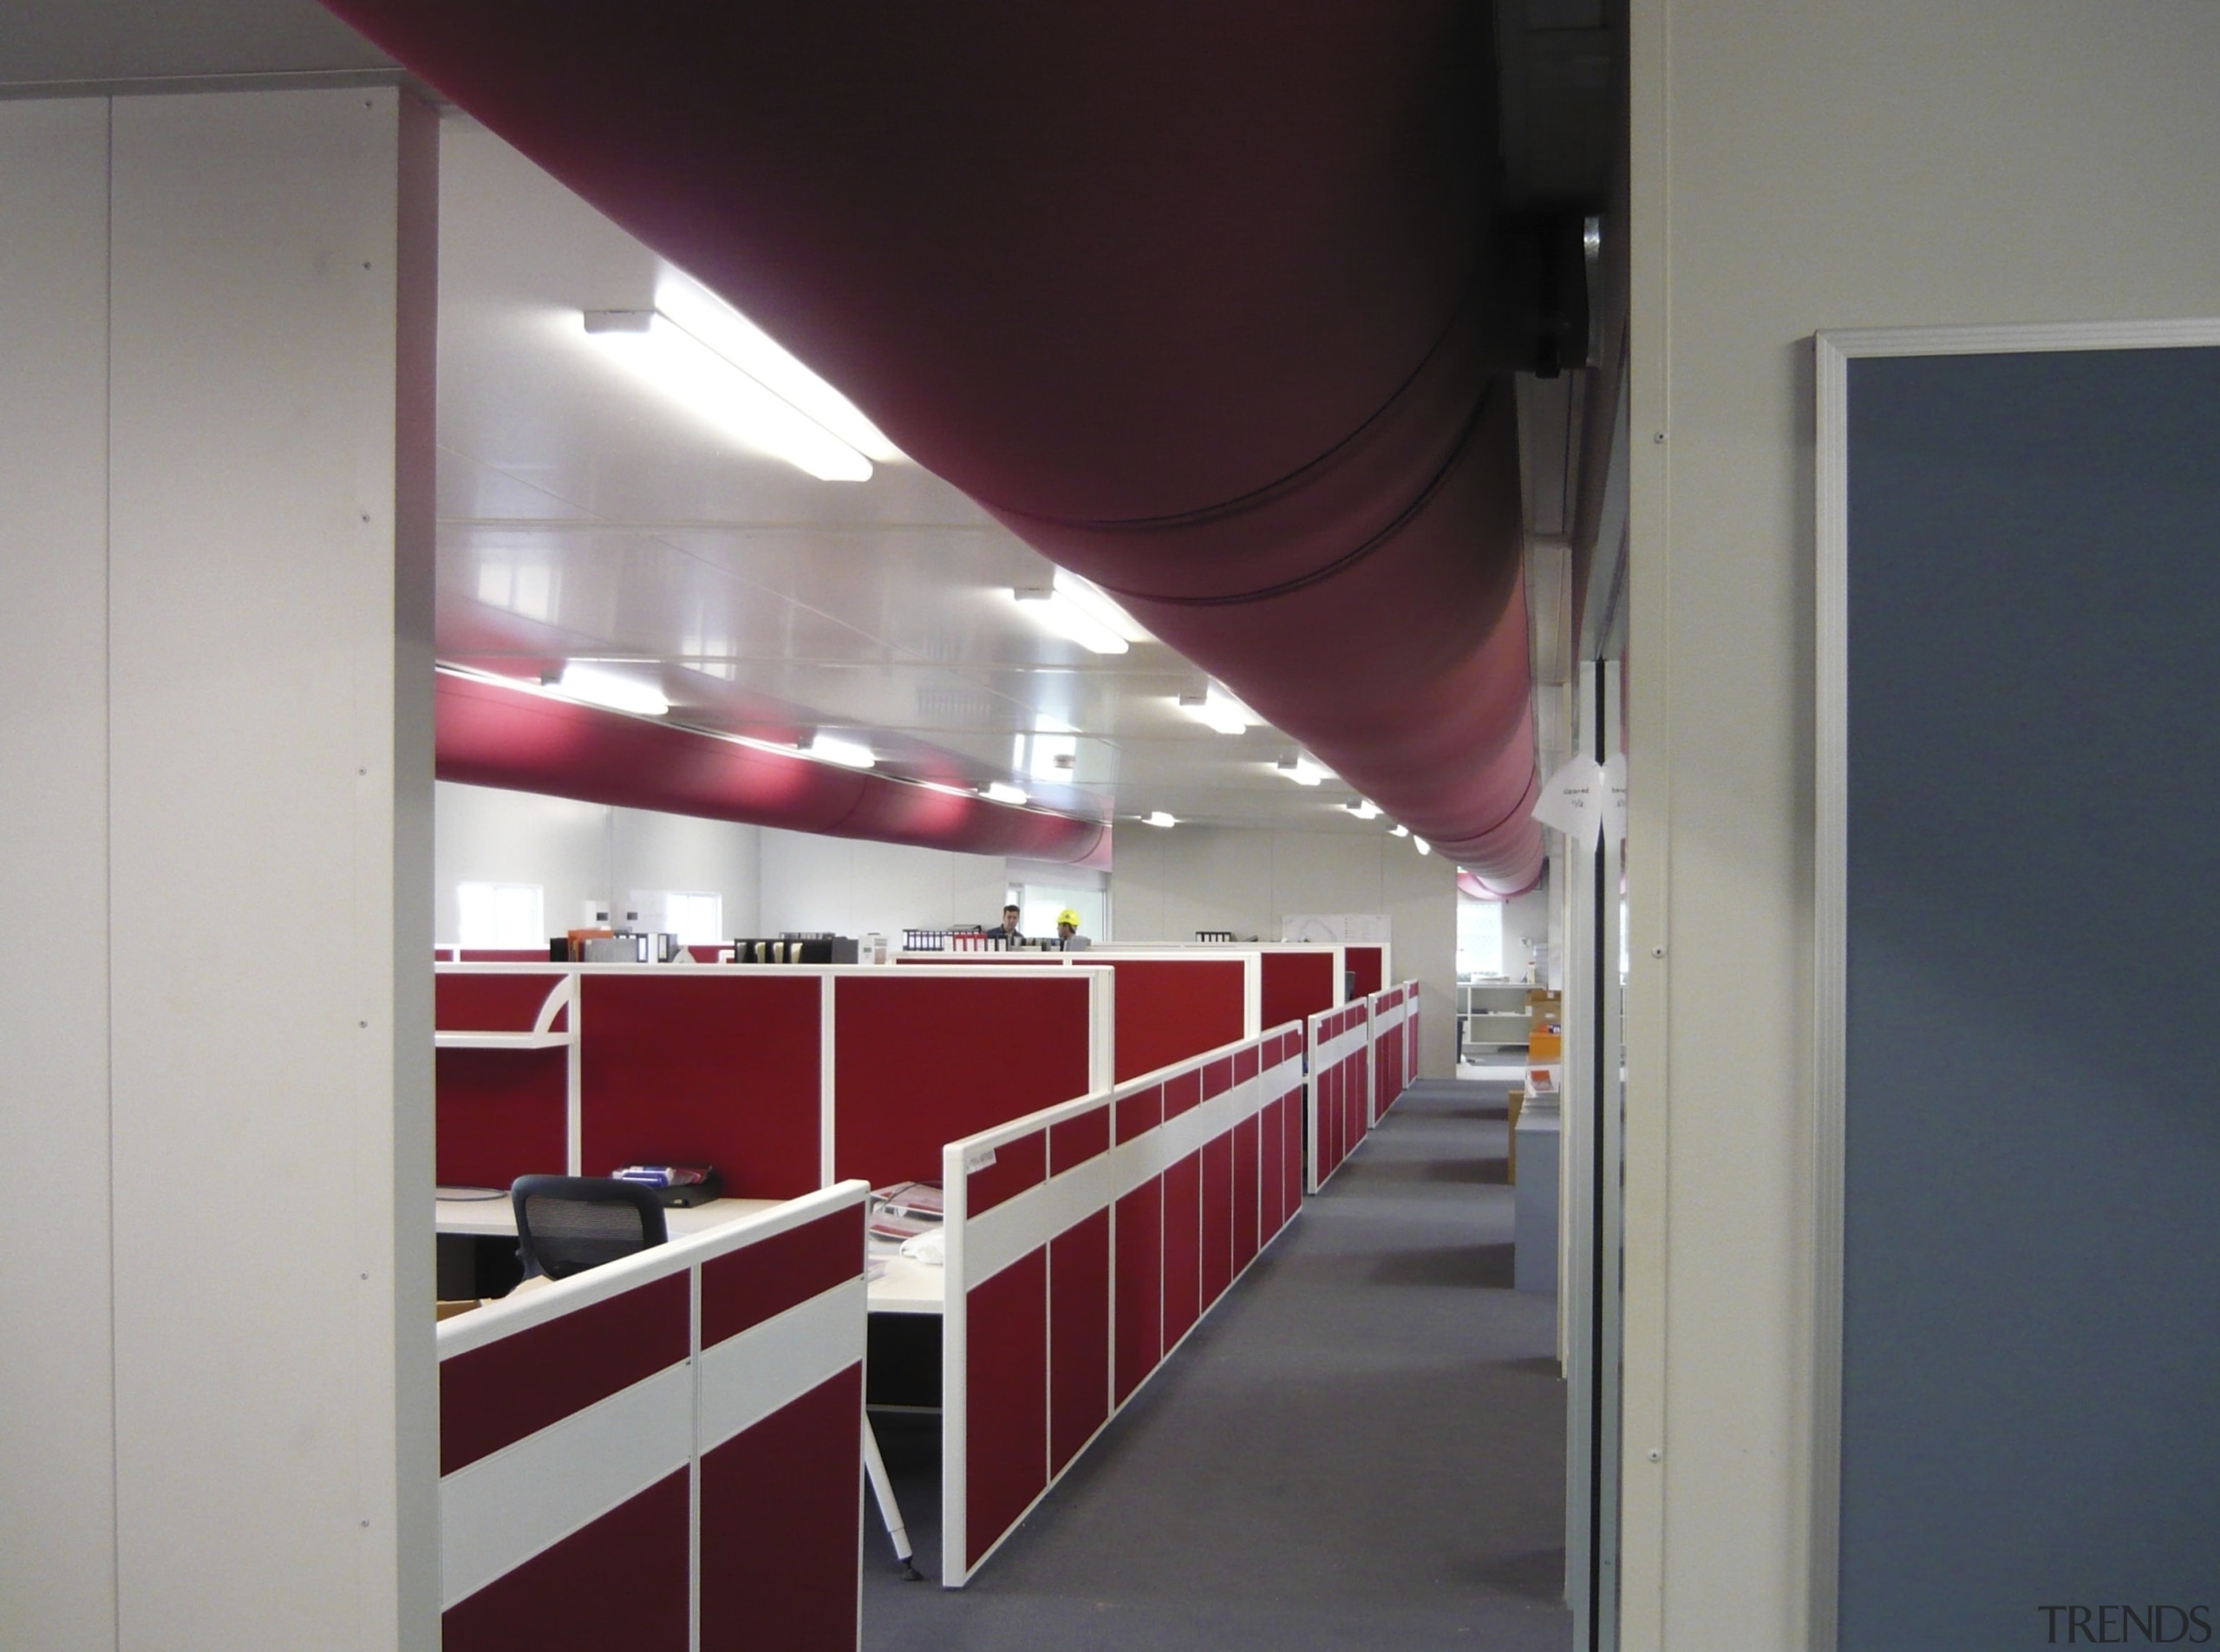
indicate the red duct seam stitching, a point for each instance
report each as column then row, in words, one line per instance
column 1347, row 559
column 1294, row 480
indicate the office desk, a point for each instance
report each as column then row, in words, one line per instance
column 496, row 1218
column 902, row 1286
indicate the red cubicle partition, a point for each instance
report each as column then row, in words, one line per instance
column 1171, row 1004
column 1339, row 1109
column 505, row 1061
column 704, row 1066
column 1299, row 982
column 1170, row 1009
column 1367, row 963
column 727, row 1065
column 1083, row 1242
column 1390, row 1063
column 923, row 1057
column 614, row 1463
column 1410, row 1033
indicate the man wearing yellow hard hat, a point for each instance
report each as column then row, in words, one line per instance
column 1068, row 935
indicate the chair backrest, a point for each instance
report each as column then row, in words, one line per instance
column 568, row 1223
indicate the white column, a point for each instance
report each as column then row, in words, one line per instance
column 219, row 693
column 57, row 1464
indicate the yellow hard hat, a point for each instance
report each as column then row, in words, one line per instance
column 1069, row 916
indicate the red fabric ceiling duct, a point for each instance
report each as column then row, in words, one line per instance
column 1207, row 303
column 491, row 734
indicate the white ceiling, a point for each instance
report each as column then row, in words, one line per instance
column 582, row 514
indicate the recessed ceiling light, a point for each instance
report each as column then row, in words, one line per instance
column 1364, row 808
column 1158, row 818
column 1301, row 770
column 1424, row 847
column 1219, row 709
column 1400, row 832
column 598, row 686
column 668, row 356
column 999, row 792
column 846, row 753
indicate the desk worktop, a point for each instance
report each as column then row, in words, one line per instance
column 904, row 1287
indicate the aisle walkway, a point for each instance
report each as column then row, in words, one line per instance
column 1362, row 1447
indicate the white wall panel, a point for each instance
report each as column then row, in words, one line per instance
column 1866, row 164
column 57, row 1579
column 269, row 1100
column 653, row 851
column 851, row 887
column 486, row 835
column 581, row 852
column 1169, row 885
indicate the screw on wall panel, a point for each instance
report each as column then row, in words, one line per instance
column 1660, row 436
column 364, row 1024
column 361, row 771
column 1656, row 951
column 366, row 515
column 366, row 1278
column 1656, row 1455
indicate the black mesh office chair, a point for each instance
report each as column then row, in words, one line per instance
column 568, row 1223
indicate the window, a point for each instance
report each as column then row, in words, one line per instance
column 1479, row 937
column 1046, row 757
column 696, row 916
column 502, row 915
column 1038, row 905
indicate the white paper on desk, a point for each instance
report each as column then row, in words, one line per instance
column 930, row 1249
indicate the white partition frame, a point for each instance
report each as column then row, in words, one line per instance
column 978, row 1248
column 500, row 1510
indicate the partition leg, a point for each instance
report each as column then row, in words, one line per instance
column 890, row 1512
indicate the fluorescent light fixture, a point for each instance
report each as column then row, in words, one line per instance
column 1364, row 808
column 846, row 753
column 1076, row 611
column 666, row 354
column 999, row 792
column 1158, row 818
column 748, row 347
column 597, row 686
column 1400, row 832
column 1215, row 706
column 1301, row 770
column 1424, row 847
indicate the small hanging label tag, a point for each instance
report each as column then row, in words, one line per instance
column 977, row 1159
column 1572, row 800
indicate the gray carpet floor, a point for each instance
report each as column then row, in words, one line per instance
column 1362, row 1447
